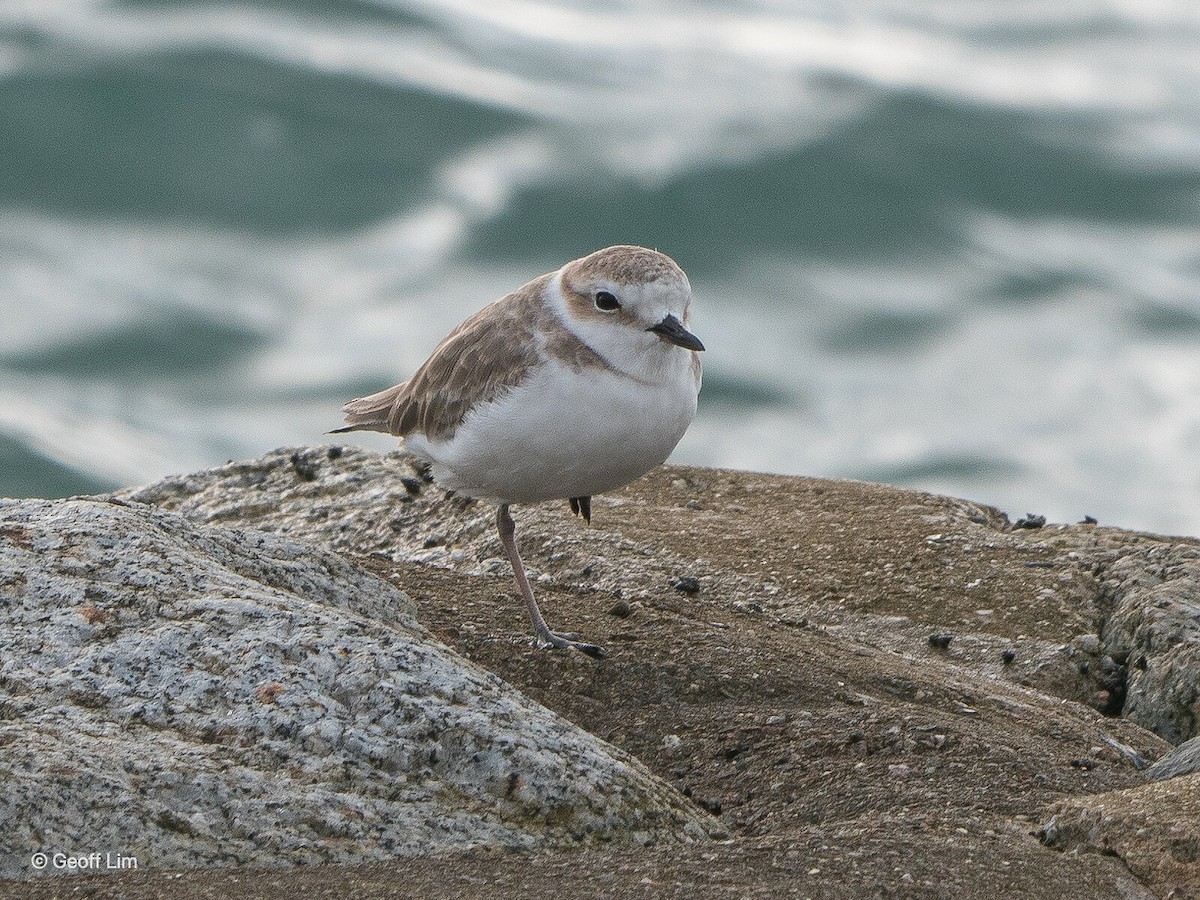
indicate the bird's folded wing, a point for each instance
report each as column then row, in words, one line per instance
column 486, row 355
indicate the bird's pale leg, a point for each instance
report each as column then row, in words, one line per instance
column 508, row 537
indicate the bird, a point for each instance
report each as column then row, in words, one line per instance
column 575, row 384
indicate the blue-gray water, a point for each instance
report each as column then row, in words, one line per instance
column 952, row 246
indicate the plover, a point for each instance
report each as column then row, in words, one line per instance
column 575, row 384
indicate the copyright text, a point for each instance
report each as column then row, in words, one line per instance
column 82, row 862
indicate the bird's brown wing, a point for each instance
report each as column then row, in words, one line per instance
column 486, row 355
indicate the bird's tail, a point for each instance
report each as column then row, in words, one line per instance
column 373, row 413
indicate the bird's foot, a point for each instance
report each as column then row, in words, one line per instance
column 556, row 641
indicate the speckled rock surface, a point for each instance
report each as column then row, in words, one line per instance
column 1102, row 615
column 1154, row 625
column 1183, row 760
column 1154, row 829
column 877, row 692
column 200, row 696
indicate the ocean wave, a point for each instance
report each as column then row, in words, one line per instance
column 949, row 245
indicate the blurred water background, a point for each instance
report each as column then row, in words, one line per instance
column 947, row 245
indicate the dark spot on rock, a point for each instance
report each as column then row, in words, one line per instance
column 621, row 609
column 514, row 781
column 1030, row 520
column 711, row 806
column 96, row 593
column 305, row 470
column 1083, row 765
column 941, row 640
column 1114, row 688
column 335, row 452
column 1008, row 656
column 172, row 822
column 432, row 541
column 412, row 485
column 686, row 584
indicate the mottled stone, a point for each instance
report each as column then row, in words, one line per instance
column 1154, row 829
column 1154, row 625
column 1183, row 760
column 201, row 696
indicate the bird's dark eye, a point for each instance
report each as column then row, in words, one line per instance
column 606, row 301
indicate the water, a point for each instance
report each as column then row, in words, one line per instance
column 952, row 246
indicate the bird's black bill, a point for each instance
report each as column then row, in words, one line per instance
column 671, row 330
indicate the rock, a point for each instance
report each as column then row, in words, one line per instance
column 1153, row 829
column 201, row 696
column 353, row 502
column 685, row 584
column 358, row 503
column 1152, row 594
column 785, row 696
column 1183, row 760
column 1137, row 592
column 1089, row 644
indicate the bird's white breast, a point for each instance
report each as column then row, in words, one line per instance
column 566, row 432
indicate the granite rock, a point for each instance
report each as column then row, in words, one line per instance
column 1153, row 593
column 1183, row 760
column 791, row 689
column 1134, row 598
column 204, row 696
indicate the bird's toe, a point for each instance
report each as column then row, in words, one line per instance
column 556, row 641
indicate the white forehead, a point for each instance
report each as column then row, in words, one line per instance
column 654, row 299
